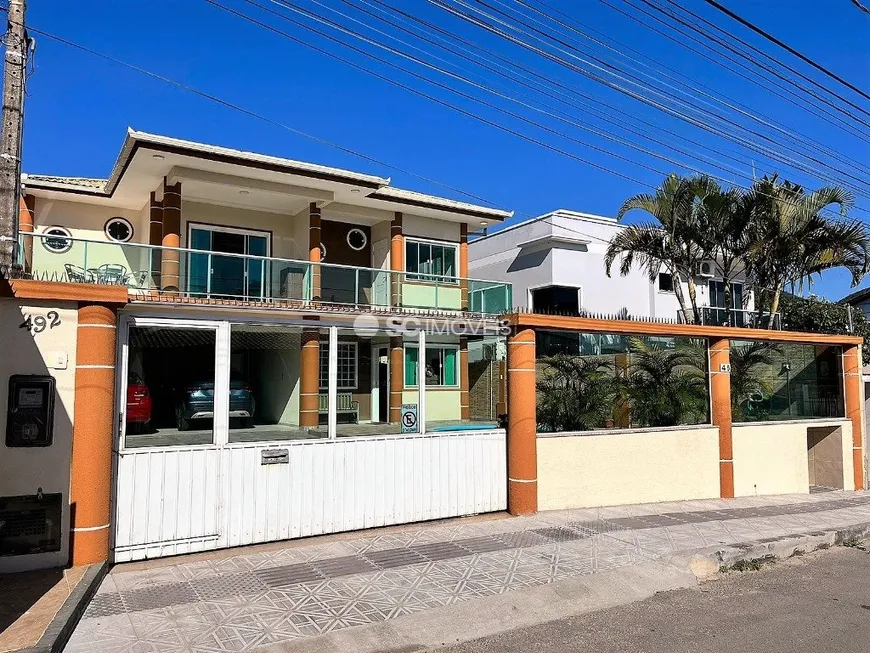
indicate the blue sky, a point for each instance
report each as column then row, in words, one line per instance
column 78, row 106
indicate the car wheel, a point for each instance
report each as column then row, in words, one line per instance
column 247, row 422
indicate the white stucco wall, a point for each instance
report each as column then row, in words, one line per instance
column 772, row 458
column 623, row 467
column 573, row 264
column 24, row 470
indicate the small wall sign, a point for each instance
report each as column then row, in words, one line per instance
column 725, row 368
column 275, row 457
column 409, row 418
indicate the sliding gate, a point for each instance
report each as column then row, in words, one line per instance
column 188, row 478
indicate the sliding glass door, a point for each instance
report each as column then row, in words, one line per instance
column 230, row 269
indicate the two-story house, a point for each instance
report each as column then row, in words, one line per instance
column 287, row 343
column 555, row 264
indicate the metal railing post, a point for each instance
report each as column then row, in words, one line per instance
column 356, row 287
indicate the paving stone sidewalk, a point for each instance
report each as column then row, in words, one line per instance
column 240, row 601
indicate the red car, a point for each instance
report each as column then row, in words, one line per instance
column 138, row 404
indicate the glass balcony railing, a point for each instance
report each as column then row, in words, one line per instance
column 148, row 270
column 736, row 317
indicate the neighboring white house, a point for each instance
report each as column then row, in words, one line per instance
column 859, row 299
column 556, row 264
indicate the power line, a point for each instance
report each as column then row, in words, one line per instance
column 549, row 11
column 758, row 51
column 840, row 123
column 541, row 86
column 786, row 47
column 248, row 112
column 395, row 82
column 543, row 82
column 698, row 123
column 253, row 114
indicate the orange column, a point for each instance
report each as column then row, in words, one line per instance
column 720, row 392
column 314, row 250
column 397, row 259
column 309, row 379
column 25, row 226
column 155, row 237
column 463, row 266
column 464, row 399
column 397, row 378
column 93, row 428
column 170, row 266
column 522, row 424
column 854, row 397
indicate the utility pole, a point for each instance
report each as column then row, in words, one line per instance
column 10, row 139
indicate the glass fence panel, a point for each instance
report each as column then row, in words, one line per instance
column 371, row 396
column 588, row 381
column 490, row 297
column 487, row 377
column 170, row 387
column 780, row 381
column 266, row 384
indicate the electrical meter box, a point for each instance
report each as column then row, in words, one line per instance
column 30, row 411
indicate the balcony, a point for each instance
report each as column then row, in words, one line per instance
column 736, row 317
column 153, row 273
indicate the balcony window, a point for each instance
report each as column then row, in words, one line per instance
column 719, row 313
column 440, row 366
column 427, row 261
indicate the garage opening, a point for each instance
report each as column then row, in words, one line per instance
column 825, row 458
column 170, row 386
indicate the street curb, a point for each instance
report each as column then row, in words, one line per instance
column 493, row 615
column 60, row 629
column 708, row 562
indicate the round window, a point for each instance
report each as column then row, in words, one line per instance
column 57, row 240
column 119, row 229
column 357, row 239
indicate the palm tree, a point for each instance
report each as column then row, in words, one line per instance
column 672, row 242
column 790, row 241
column 724, row 217
column 749, row 363
column 665, row 387
column 575, row 393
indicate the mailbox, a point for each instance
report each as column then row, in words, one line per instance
column 30, row 411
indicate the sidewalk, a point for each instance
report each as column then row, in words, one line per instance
column 238, row 600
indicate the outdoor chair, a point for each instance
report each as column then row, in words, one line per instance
column 75, row 274
column 137, row 280
column 112, row 274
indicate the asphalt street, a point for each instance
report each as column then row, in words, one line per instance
column 815, row 603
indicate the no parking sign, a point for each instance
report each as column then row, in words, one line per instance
column 409, row 418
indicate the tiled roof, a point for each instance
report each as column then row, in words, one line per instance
column 78, row 182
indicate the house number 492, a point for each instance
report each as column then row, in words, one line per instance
column 39, row 323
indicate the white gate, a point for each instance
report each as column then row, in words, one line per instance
column 182, row 499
